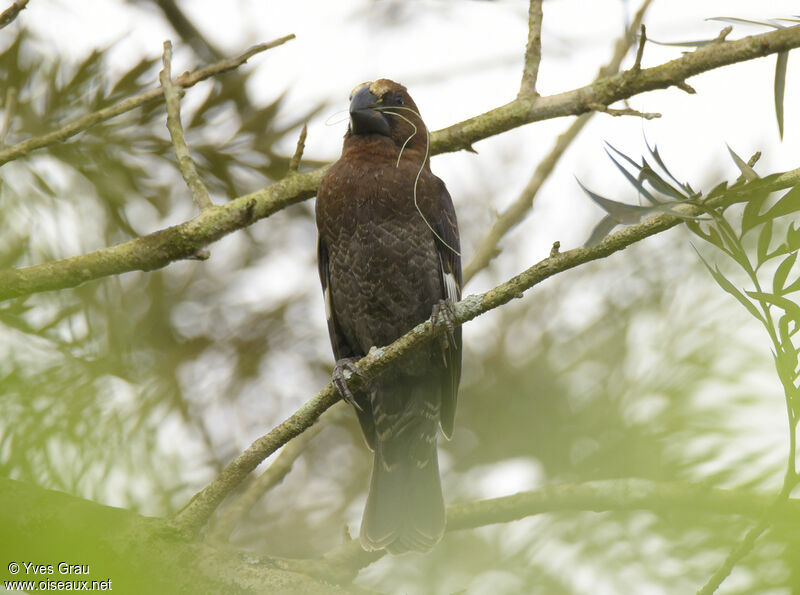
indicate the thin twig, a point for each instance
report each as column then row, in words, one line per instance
column 185, row 80
column 11, row 13
column 599, row 107
column 533, row 50
column 684, row 86
column 196, row 513
column 517, row 211
column 185, row 162
column 637, row 64
column 294, row 164
column 723, row 34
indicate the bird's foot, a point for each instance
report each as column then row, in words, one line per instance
column 346, row 364
column 444, row 313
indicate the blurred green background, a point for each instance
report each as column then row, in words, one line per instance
column 136, row 390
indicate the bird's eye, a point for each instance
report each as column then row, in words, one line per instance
column 399, row 100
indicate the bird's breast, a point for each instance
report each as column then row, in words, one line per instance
column 382, row 258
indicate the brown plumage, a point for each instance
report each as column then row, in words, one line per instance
column 386, row 264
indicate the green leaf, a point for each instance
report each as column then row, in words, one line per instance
column 789, row 203
column 600, row 231
column 723, row 282
column 793, row 237
column 738, row 21
column 782, row 272
column 634, row 182
column 654, row 152
column 792, row 309
column 620, row 212
column 751, row 217
column 780, row 87
column 785, row 363
column 712, row 237
column 747, row 171
column 649, row 175
column 793, row 287
column 764, row 238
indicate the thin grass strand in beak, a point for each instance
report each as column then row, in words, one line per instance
column 390, row 110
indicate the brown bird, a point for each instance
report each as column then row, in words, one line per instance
column 389, row 259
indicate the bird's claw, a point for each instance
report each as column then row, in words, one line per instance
column 346, row 364
column 444, row 312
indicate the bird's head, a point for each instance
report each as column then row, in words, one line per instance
column 385, row 108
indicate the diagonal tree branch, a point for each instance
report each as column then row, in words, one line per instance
column 9, row 14
column 517, row 211
column 533, row 50
column 524, row 110
column 185, row 80
column 196, row 513
column 158, row 249
column 271, row 477
column 185, row 162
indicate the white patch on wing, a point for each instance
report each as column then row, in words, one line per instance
column 451, row 287
column 328, row 307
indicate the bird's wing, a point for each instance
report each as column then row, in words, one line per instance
column 448, row 247
column 341, row 348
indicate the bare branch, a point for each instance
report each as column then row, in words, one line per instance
column 197, row 512
column 533, row 50
column 185, row 80
column 11, row 13
column 517, row 211
column 623, row 112
column 158, row 249
column 183, row 241
column 274, row 474
column 723, row 34
column 637, row 63
column 294, row 164
column 185, row 162
column 524, row 110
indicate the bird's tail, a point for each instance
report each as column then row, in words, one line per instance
column 405, row 508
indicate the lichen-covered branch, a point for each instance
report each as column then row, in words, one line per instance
column 197, row 512
column 271, row 477
column 185, row 80
column 158, row 249
column 524, row 110
column 11, row 13
column 533, row 50
column 185, row 161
